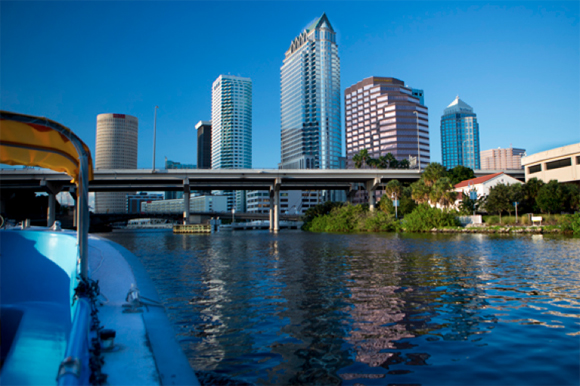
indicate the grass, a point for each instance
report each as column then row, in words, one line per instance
column 523, row 220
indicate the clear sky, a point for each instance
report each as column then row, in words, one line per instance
column 516, row 63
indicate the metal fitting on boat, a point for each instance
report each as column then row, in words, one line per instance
column 108, row 339
column 69, row 365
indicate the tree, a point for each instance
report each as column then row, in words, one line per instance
column 392, row 161
column 515, row 194
column 433, row 172
column 571, row 196
column 360, row 158
column 404, row 164
column 530, row 190
column 442, row 192
column 550, row 197
column 420, row 191
column 393, row 188
column 467, row 206
column 406, row 203
column 373, row 163
column 498, row 200
column 460, row 173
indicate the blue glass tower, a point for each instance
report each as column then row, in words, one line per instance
column 310, row 100
column 460, row 136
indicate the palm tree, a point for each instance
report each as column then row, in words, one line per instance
column 360, row 158
column 393, row 163
column 442, row 192
column 433, row 172
column 404, row 164
column 420, row 192
column 393, row 188
column 373, row 162
column 383, row 162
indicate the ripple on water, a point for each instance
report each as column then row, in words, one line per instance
column 372, row 309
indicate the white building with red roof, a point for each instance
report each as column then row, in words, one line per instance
column 482, row 185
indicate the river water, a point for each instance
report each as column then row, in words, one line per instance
column 252, row 307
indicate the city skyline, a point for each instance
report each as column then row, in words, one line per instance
column 502, row 57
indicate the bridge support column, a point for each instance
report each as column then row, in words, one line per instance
column 351, row 192
column 73, row 194
column 186, row 193
column 52, row 188
column 275, row 213
column 51, row 209
column 271, row 211
column 371, row 187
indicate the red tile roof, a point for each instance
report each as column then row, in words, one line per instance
column 478, row 180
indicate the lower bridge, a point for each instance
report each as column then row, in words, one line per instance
column 110, row 218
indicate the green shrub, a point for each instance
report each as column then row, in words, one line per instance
column 353, row 218
column 318, row 210
column 570, row 223
column 379, row 222
column 425, row 218
column 491, row 220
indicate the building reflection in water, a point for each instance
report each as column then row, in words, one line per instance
column 301, row 308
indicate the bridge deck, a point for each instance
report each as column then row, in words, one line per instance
column 218, row 179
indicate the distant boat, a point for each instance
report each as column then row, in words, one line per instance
column 71, row 313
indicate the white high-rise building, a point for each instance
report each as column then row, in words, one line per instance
column 231, row 135
column 116, row 148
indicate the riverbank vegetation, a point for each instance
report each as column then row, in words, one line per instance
column 430, row 204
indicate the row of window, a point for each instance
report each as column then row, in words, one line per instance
column 562, row 163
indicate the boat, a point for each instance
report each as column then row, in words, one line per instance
column 75, row 310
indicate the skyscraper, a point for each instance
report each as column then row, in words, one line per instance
column 116, row 148
column 310, row 100
column 203, row 144
column 231, row 132
column 460, row 136
column 382, row 115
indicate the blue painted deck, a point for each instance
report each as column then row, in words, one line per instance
column 37, row 279
column 38, row 273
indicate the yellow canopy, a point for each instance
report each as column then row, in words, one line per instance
column 32, row 141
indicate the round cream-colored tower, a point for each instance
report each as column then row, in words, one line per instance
column 116, row 148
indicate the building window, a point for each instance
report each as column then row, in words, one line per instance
column 562, row 163
column 535, row 168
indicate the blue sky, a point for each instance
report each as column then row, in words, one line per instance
column 516, row 63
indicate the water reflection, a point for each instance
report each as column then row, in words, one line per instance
column 300, row 308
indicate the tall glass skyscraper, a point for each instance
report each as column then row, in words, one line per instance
column 460, row 136
column 231, row 133
column 310, row 100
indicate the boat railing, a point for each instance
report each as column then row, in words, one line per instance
column 75, row 368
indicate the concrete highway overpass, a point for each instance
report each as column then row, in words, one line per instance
column 272, row 180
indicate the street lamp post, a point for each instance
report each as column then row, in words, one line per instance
column 395, row 203
column 154, row 135
column 418, row 143
column 233, row 213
